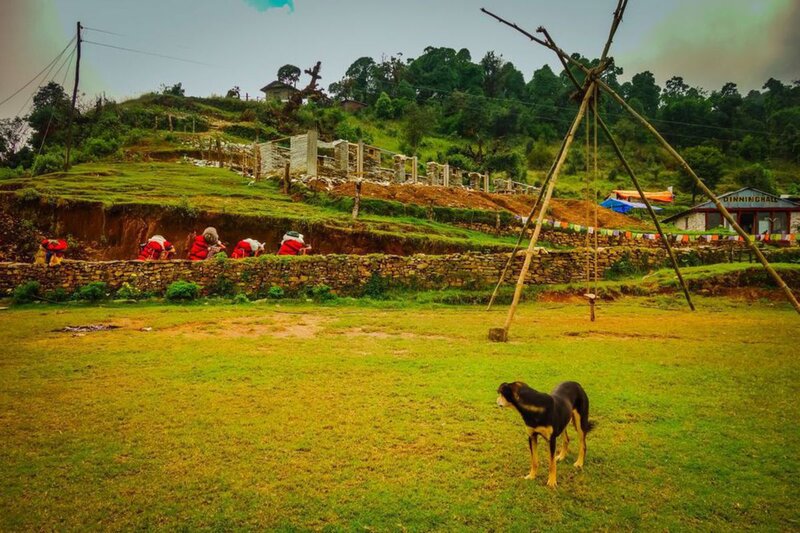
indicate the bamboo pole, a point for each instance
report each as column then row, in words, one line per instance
column 634, row 179
column 501, row 334
column 721, row 208
column 525, row 226
column 673, row 259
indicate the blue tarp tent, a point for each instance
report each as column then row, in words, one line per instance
column 621, row 206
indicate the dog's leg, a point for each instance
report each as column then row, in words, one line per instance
column 551, row 478
column 533, row 443
column 562, row 454
column 576, row 421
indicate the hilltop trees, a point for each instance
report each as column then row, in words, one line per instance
column 289, row 74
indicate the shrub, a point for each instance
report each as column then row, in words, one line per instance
column 182, row 291
column 321, row 293
column 222, row 286
column 276, row 293
column 28, row 194
column 128, row 292
column 627, row 266
column 57, row 295
column 241, row 298
column 376, row 287
column 26, row 293
column 93, row 292
column 248, row 115
column 47, row 163
column 221, row 257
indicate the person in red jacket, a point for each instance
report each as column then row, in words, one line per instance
column 293, row 244
column 54, row 250
column 247, row 248
column 206, row 245
column 156, row 248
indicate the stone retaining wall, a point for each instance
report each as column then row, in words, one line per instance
column 345, row 274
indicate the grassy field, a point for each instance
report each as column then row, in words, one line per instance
column 381, row 417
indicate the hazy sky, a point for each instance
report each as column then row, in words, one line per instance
column 243, row 42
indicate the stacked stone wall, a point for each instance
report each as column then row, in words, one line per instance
column 345, row 274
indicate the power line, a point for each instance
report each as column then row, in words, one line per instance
column 53, row 110
column 103, row 31
column 49, row 66
column 155, row 54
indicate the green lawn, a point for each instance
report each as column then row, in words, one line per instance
column 381, row 416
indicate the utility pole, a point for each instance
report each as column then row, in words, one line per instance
column 74, row 97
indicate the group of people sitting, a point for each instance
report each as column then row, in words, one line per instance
column 208, row 244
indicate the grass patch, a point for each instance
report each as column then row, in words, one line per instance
column 286, row 416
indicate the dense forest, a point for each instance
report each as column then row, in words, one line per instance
column 495, row 119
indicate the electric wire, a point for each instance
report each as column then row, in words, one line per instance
column 143, row 52
column 48, row 67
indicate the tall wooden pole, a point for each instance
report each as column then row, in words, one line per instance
column 721, row 208
column 650, row 209
column 501, row 334
column 74, row 97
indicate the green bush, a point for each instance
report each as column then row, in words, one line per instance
column 321, row 293
column 26, row 293
column 182, row 291
column 47, row 163
column 93, row 292
column 627, row 266
column 57, row 295
column 375, row 287
column 128, row 292
column 222, row 286
column 241, row 298
column 276, row 293
column 28, row 194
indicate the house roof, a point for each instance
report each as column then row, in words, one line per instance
column 662, row 196
column 744, row 198
column 276, row 85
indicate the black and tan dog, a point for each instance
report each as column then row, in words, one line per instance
column 548, row 415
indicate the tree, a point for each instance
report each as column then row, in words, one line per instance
column 234, row 92
column 643, row 87
column 289, row 74
column 419, row 122
column 11, row 139
column 383, row 107
column 174, row 90
column 707, row 162
column 758, row 177
column 49, row 115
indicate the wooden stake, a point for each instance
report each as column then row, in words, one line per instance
column 494, row 334
column 721, row 208
column 357, row 198
column 287, row 179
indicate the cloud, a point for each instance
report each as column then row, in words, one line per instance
column 263, row 5
column 717, row 41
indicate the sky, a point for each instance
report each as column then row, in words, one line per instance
column 222, row 43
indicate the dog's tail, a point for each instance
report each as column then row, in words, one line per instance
column 590, row 426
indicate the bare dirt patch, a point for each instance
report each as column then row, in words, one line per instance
column 303, row 326
column 382, row 334
column 575, row 211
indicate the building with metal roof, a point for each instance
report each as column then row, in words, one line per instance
column 757, row 212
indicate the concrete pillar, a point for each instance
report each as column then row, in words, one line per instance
column 399, row 168
column 360, row 160
column 486, row 182
column 414, row 169
column 446, row 175
column 431, row 173
column 311, row 153
column 342, row 156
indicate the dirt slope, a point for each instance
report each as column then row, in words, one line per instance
column 574, row 211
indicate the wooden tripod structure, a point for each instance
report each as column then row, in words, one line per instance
column 588, row 93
